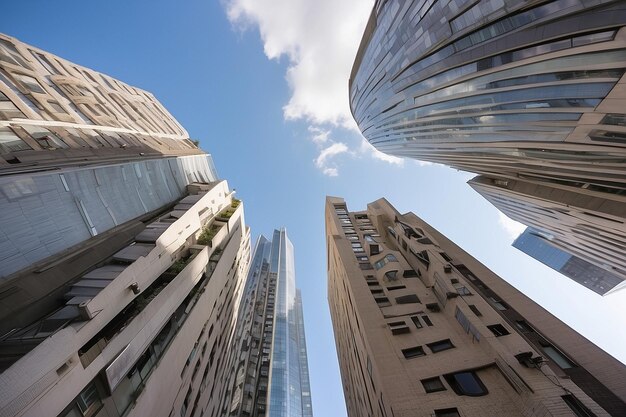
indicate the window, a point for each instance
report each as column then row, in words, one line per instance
column 462, row 290
column 577, row 407
column 498, row 330
column 382, row 301
column 498, row 304
column 475, row 310
column 556, row 356
column 466, row 383
column 407, row 299
column 440, row 345
column 409, row 273
column 398, row 327
column 391, row 275
column 445, row 256
column 362, row 258
column 377, row 290
column 396, row 287
column 524, row 327
column 416, row 321
column 10, row 142
column 433, row 384
column 365, row 266
column 88, row 400
column 391, row 231
column 413, row 352
column 427, row 320
column 385, row 261
column 447, row 412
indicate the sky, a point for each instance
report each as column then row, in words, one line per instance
column 262, row 84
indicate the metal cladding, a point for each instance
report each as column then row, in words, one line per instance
column 531, row 89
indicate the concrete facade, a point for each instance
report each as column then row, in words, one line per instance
column 149, row 330
column 123, row 256
column 423, row 329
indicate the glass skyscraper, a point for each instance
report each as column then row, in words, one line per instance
column 272, row 376
column 537, row 245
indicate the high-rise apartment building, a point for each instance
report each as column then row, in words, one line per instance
column 272, row 375
column 536, row 244
column 122, row 255
column 424, row 329
column 532, row 92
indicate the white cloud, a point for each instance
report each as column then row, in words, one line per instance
column 510, row 226
column 319, row 135
column 322, row 161
column 320, row 39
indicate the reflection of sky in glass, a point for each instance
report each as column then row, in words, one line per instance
column 289, row 371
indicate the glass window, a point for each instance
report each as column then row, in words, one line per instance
column 475, row 310
column 10, row 54
column 88, row 400
column 557, row 357
column 413, row 352
column 427, row 320
column 398, row 327
column 524, row 326
column 391, row 275
column 10, row 142
column 579, row 409
column 498, row 304
column 407, row 299
column 440, row 345
column 416, row 321
column 447, row 412
column 433, row 384
column 44, row 137
column 466, row 383
column 382, row 301
column 31, row 84
column 498, row 330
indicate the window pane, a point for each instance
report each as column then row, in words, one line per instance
column 469, row 384
column 413, row 352
column 440, row 345
column 557, row 357
column 433, row 384
column 10, row 142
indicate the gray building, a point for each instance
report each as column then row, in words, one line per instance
column 537, row 245
column 272, row 375
column 531, row 92
column 123, row 256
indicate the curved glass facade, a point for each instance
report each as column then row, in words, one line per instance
column 434, row 79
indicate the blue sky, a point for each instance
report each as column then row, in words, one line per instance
column 265, row 93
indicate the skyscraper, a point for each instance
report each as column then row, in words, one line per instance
column 122, row 255
column 534, row 243
column 531, row 92
column 423, row 329
column 272, row 372
column 589, row 228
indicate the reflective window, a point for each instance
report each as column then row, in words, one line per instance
column 10, row 142
column 466, row 383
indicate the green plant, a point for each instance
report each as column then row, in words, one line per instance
column 208, row 233
column 178, row 266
